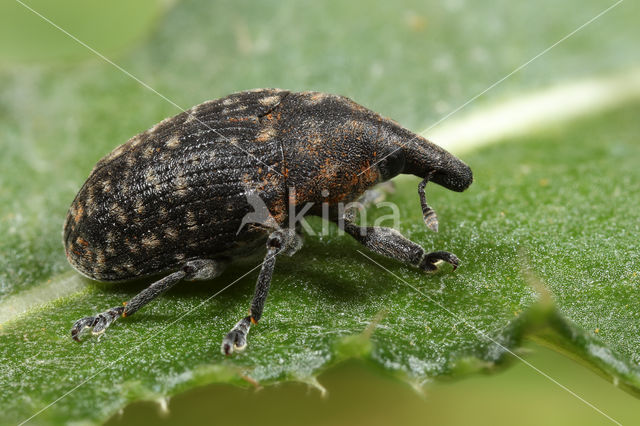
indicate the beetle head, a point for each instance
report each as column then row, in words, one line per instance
column 405, row 152
column 451, row 173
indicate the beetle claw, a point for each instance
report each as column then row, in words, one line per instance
column 81, row 325
column 236, row 339
column 98, row 324
column 429, row 261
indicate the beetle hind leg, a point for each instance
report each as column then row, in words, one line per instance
column 200, row 269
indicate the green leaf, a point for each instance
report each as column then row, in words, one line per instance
column 560, row 203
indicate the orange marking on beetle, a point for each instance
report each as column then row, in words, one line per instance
column 317, row 97
column 79, row 213
column 82, row 241
column 236, row 119
column 266, row 134
column 100, row 257
column 354, row 127
column 279, row 211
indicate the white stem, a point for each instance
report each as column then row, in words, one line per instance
column 536, row 110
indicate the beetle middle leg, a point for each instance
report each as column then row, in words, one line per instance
column 282, row 241
column 390, row 243
column 199, row 269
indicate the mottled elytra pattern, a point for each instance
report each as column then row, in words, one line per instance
column 178, row 191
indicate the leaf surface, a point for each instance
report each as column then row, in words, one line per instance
column 561, row 202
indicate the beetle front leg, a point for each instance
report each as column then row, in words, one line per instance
column 280, row 241
column 390, row 243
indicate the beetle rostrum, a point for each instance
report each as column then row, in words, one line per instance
column 171, row 201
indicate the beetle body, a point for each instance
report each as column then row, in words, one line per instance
column 178, row 192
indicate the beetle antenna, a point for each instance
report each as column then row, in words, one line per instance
column 428, row 214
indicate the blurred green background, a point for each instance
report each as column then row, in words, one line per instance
column 367, row 50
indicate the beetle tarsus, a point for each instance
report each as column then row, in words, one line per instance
column 429, row 261
column 98, row 324
column 236, row 339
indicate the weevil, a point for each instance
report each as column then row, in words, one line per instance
column 170, row 202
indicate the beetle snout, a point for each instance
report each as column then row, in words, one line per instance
column 456, row 176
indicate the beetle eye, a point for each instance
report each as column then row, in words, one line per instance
column 392, row 165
